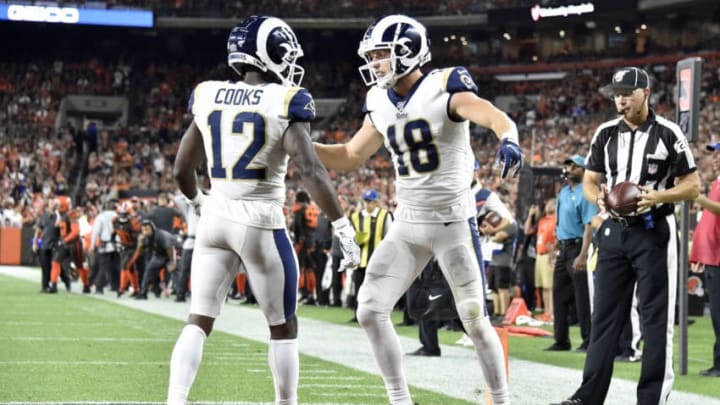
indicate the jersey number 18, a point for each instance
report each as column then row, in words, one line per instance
column 414, row 145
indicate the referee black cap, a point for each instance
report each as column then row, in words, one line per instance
column 630, row 78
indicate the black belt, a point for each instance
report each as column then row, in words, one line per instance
column 643, row 220
column 569, row 242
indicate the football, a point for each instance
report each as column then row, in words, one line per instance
column 623, row 198
column 492, row 219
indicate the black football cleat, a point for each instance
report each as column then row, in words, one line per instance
column 711, row 372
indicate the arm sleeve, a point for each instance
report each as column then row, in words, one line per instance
column 300, row 105
column 681, row 157
column 458, row 79
column 595, row 160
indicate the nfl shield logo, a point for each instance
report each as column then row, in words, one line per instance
column 400, row 105
column 652, row 168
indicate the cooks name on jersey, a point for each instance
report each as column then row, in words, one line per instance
column 238, row 96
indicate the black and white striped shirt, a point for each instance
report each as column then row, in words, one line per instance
column 652, row 155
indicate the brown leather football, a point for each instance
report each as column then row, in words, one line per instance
column 492, row 219
column 623, row 198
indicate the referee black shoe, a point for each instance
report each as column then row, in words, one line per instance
column 558, row 347
column 711, row 372
column 421, row 352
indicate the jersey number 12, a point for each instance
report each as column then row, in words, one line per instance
column 240, row 170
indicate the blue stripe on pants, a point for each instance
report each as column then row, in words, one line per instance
column 284, row 248
column 478, row 253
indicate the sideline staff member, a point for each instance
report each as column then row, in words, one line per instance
column 574, row 234
column 651, row 151
column 705, row 254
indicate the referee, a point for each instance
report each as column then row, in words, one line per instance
column 652, row 152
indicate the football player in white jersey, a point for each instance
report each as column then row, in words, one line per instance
column 423, row 120
column 246, row 131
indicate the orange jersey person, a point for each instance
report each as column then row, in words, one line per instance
column 127, row 229
column 68, row 251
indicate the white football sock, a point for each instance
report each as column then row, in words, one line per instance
column 492, row 360
column 184, row 363
column 284, row 363
column 388, row 353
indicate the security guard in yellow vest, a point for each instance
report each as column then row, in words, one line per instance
column 371, row 225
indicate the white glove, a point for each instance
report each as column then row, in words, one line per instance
column 197, row 202
column 350, row 249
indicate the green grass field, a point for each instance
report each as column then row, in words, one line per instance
column 701, row 339
column 73, row 348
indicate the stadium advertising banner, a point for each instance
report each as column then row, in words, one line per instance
column 76, row 15
column 576, row 11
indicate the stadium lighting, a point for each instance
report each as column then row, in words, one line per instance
column 618, row 29
column 507, row 36
column 562, row 33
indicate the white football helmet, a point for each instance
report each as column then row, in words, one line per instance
column 268, row 44
column 408, row 43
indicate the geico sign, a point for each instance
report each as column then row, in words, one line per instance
column 67, row 15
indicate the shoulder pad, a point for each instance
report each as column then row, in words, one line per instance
column 299, row 105
column 458, row 79
column 369, row 96
column 193, row 96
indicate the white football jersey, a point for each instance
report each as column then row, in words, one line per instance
column 242, row 127
column 431, row 151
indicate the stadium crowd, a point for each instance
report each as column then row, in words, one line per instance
column 555, row 121
column 94, row 165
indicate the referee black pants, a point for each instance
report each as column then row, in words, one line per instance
column 570, row 287
column 627, row 254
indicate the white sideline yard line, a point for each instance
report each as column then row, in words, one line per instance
column 456, row 374
column 153, row 403
column 83, row 363
column 86, row 339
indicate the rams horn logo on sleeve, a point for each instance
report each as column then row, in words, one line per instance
column 467, row 81
column 310, row 106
